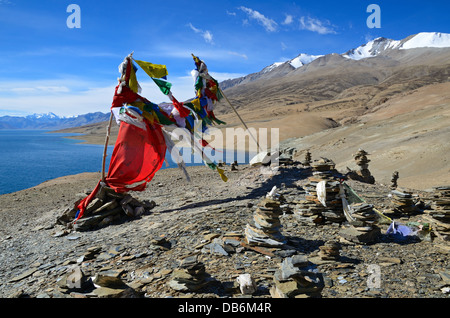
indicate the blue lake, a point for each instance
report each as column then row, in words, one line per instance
column 30, row 157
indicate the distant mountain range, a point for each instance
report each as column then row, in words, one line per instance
column 378, row 47
column 50, row 121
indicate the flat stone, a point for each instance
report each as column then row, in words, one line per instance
column 300, row 260
column 109, row 281
column 112, row 272
column 23, row 275
column 105, row 292
column 215, row 248
column 353, row 235
column 393, row 260
column 210, row 236
column 183, row 281
column 445, row 277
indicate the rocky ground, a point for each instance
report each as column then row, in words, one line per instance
column 142, row 255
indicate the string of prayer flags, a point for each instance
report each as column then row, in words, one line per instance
column 142, row 142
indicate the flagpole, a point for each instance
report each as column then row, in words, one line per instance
column 242, row 121
column 108, row 130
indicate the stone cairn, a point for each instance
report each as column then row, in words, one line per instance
column 106, row 207
column 307, row 161
column 439, row 212
column 330, row 251
column 403, row 203
column 190, row 276
column 297, row 278
column 265, row 228
column 394, row 180
column 312, row 210
column 363, row 227
column 362, row 174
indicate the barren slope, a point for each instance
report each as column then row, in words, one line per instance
column 396, row 106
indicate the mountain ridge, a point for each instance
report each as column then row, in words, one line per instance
column 51, row 121
column 380, row 46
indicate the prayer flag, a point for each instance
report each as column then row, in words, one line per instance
column 163, row 85
column 136, row 157
column 153, row 70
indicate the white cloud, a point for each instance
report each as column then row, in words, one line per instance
column 63, row 104
column 289, row 19
column 315, row 25
column 64, row 97
column 269, row 24
column 207, row 35
column 244, row 56
column 74, row 97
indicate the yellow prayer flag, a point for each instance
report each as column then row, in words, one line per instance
column 196, row 103
column 222, row 175
column 153, row 70
column 133, row 83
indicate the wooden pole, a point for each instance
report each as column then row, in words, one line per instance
column 108, row 130
column 242, row 121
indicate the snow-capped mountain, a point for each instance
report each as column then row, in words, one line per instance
column 295, row 63
column 277, row 69
column 427, row 39
column 49, row 115
column 303, row 59
column 381, row 45
column 271, row 67
column 371, row 49
column 50, row 121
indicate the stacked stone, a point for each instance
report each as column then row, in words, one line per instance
column 312, row 210
column 329, row 251
column 363, row 228
column 440, row 211
column 266, row 225
column 394, row 180
column 364, row 215
column 323, row 167
column 105, row 207
column 309, row 212
column 403, row 202
column 190, row 276
column 297, row 278
column 307, row 161
column 362, row 174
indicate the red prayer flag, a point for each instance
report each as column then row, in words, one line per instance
column 136, row 157
column 184, row 112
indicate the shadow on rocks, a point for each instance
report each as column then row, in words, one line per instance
column 287, row 176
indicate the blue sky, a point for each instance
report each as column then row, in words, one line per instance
column 49, row 67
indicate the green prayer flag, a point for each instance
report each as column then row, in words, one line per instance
column 164, row 86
